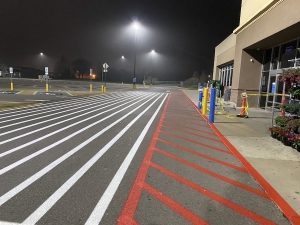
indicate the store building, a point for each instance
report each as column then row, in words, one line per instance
column 266, row 41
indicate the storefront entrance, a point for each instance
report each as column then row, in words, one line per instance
column 271, row 89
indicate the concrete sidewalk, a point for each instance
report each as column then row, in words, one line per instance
column 278, row 164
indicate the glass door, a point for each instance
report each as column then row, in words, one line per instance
column 274, row 89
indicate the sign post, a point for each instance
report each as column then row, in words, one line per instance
column 91, row 86
column 46, row 74
column 11, row 70
column 105, row 67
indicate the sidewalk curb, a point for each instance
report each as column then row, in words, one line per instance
column 286, row 209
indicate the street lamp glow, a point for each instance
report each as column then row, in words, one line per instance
column 123, row 57
column 153, row 51
column 136, row 25
column 41, row 53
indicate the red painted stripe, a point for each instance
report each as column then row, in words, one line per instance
column 197, row 143
column 216, row 175
column 242, row 169
column 287, row 210
column 186, row 122
column 179, row 116
column 247, row 213
column 176, row 114
column 197, row 135
column 188, row 215
column 125, row 220
column 190, row 128
column 131, row 203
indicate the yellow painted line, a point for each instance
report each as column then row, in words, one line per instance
column 19, row 92
column 69, row 93
column 19, row 107
column 34, row 93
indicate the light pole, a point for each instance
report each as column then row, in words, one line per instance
column 41, row 60
column 152, row 53
column 122, row 67
column 136, row 27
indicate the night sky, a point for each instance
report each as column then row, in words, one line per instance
column 183, row 33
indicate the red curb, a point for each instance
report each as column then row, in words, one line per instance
column 287, row 210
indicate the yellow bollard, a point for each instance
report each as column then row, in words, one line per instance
column 102, row 88
column 133, row 86
column 204, row 101
column 11, row 86
column 47, row 88
column 91, row 88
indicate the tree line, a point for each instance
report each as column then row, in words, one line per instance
column 79, row 66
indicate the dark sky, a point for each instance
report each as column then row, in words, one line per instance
column 183, row 33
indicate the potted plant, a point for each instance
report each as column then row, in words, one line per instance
column 293, row 125
column 289, row 76
column 280, row 133
column 296, row 142
column 273, row 132
column 282, row 121
column 288, row 138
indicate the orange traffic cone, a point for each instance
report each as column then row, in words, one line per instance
column 282, row 112
column 243, row 112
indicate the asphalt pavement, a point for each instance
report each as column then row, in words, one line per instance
column 125, row 157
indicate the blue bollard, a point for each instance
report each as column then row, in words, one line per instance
column 212, row 103
column 200, row 97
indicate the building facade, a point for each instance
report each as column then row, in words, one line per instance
column 266, row 41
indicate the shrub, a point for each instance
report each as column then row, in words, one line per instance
column 292, row 108
column 282, row 120
column 293, row 125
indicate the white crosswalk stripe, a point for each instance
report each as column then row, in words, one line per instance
column 60, row 125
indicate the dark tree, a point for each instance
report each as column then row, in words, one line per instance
column 81, row 66
column 61, row 68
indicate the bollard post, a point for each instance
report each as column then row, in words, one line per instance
column 91, row 88
column 212, row 103
column 102, row 89
column 204, row 101
column 200, row 97
column 11, row 86
column 47, row 87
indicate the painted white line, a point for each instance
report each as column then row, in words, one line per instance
column 92, row 102
column 17, row 111
column 22, row 111
column 42, row 210
column 48, row 120
column 59, row 130
column 64, row 106
column 8, row 223
column 51, row 125
column 51, row 105
column 8, row 195
column 25, row 159
column 102, row 205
